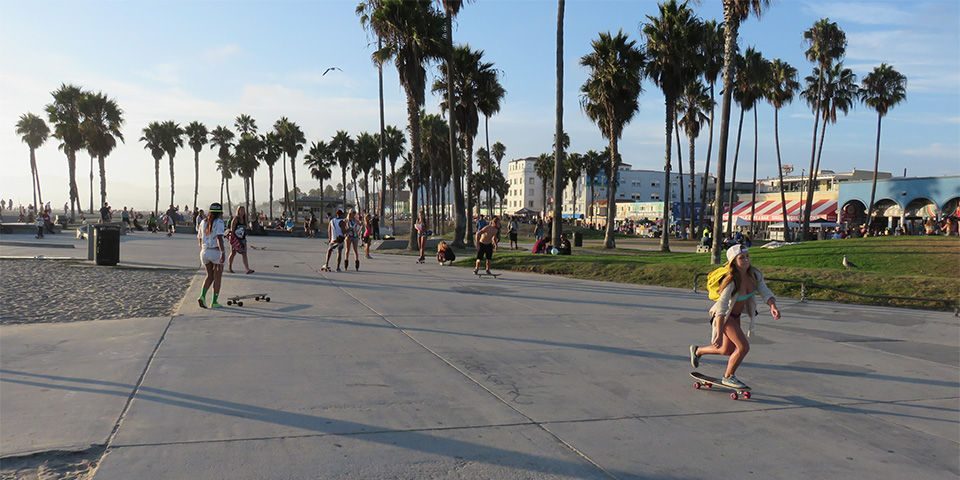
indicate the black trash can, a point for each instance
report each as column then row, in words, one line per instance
column 577, row 239
column 106, row 244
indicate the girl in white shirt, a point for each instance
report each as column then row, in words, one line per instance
column 210, row 235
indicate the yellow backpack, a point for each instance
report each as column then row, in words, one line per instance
column 714, row 279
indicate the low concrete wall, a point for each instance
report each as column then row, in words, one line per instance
column 31, row 228
column 401, row 243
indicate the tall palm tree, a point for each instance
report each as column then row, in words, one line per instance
column 197, row 134
column 153, row 139
column 498, row 151
column 64, row 115
column 882, row 89
column 367, row 153
column 222, row 138
column 451, row 8
column 491, row 93
column 593, row 163
column 292, row 142
column 544, row 170
column 34, row 132
column 610, row 97
column 101, row 124
column 711, row 45
column 781, row 88
column 412, row 32
column 734, row 12
column 393, row 149
column 172, row 140
column 319, row 159
column 559, row 177
column 342, row 145
column 271, row 154
column 247, row 153
column 673, row 60
column 364, row 11
column 694, row 102
column 828, row 44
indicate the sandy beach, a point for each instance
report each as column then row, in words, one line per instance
column 58, row 291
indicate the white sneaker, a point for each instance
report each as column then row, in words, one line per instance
column 732, row 382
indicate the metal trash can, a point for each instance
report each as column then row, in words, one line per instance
column 106, row 244
column 577, row 239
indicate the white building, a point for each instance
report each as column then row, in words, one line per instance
column 526, row 188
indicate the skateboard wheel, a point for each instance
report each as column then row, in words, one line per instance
column 708, row 385
column 229, row 302
column 696, row 385
column 268, row 299
column 239, row 304
column 746, row 395
column 734, row 395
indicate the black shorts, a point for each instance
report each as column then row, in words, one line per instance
column 484, row 249
column 513, row 236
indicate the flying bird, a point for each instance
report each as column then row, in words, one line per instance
column 848, row 263
column 328, row 70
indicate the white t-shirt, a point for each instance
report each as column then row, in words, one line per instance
column 210, row 241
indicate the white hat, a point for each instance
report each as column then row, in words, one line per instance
column 735, row 250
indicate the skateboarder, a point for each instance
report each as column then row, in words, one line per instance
column 487, row 243
column 212, row 254
column 738, row 291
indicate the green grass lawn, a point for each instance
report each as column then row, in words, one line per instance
column 909, row 266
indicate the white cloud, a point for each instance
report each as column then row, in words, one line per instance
column 867, row 13
column 935, row 150
column 162, row 73
column 219, row 54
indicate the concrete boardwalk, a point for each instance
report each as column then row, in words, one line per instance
column 404, row 370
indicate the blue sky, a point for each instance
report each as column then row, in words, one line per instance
column 213, row 60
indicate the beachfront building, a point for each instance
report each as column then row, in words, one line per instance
column 526, row 188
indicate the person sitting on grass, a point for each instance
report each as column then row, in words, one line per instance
column 445, row 253
column 565, row 248
column 541, row 246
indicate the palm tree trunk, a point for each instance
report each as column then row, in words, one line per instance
column 693, row 186
column 286, row 189
column 558, row 139
column 731, row 25
column 683, row 212
column 293, row 176
column 33, row 174
column 72, row 170
column 156, row 197
column 343, row 178
column 733, row 175
column 91, row 183
column 413, row 113
column 270, row 207
column 706, row 168
column 469, row 192
column 609, row 240
column 171, row 180
column 383, row 157
column 393, row 199
column 223, row 180
column 783, row 197
column 486, row 129
column 252, row 212
column 459, row 205
column 229, row 204
column 103, row 179
column 805, row 228
column 196, row 177
column 671, row 101
column 876, row 166
column 753, row 195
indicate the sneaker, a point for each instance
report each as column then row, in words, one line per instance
column 694, row 358
column 476, row 271
column 215, row 305
column 732, row 381
column 202, row 303
column 488, row 272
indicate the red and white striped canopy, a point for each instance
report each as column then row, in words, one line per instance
column 772, row 211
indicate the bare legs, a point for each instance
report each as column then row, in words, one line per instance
column 734, row 344
column 214, row 276
column 421, row 242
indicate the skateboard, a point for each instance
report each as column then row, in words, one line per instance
column 238, row 298
column 484, row 274
column 709, row 382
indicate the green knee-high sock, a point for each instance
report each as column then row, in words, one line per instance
column 203, row 294
column 215, row 295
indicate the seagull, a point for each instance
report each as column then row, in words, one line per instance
column 328, row 70
column 848, row 263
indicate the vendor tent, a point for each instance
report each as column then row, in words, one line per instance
column 525, row 211
column 772, row 211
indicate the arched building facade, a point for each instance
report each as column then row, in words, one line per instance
column 900, row 201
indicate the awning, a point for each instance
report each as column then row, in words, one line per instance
column 525, row 211
column 772, row 211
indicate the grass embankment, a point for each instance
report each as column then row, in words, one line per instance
column 908, row 266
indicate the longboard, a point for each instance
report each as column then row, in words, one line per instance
column 710, row 382
column 238, row 299
column 484, row 274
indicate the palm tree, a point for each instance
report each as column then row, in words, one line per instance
column 271, row 153
column 593, row 164
column 711, row 45
column 780, row 91
column 451, row 8
column 172, row 140
column 319, row 159
column 610, row 98
column 196, row 137
column 246, row 155
column 882, row 89
column 102, row 120
column 490, row 94
column 153, row 138
column 34, row 132
column 393, row 149
column 222, row 138
column 292, row 142
column 574, row 169
column 559, row 176
column 364, row 11
column 411, row 31
column 365, row 159
column 342, row 145
column 673, row 60
column 693, row 103
column 64, row 115
column 828, row 44
column 734, row 12
column 544, row 170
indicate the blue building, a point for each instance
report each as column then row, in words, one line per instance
column 900, row 201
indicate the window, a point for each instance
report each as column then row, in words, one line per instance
column 531, row 203
column 654, row 196
column 531, row 180
column 654, row 184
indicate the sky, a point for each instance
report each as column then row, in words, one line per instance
column 212, row 60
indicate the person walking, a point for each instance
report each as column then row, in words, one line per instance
column 105, row 213
column 210, row 235
column 171, row 220
column 352, row 234
column 40, row 226
column 335, row 234
column 539, row 228
column 367, row 234
column 423, row 233
column 738, row 291
column 514, row 231
column 238, row 239
column 125, row 216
